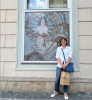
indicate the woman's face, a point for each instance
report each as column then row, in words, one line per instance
column 63, row 42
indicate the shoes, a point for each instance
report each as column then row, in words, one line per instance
column 65, row 97
column 54, row 94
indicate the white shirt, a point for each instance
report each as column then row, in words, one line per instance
column 67, row 53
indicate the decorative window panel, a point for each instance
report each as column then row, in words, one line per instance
column 43, row 31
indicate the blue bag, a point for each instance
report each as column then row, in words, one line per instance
column 69, row 67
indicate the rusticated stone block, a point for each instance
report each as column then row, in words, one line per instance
column 10, row 86
column 33, row 87
column 49, row 87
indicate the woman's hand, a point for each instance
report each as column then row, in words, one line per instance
column 64, row 66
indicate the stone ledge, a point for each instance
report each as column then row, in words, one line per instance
column 32, row 79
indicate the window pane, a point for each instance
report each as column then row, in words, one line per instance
column 57, row 3
column 35, row 4
column 43, row 31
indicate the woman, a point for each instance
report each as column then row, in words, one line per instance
column 62, row 65
column 43, row 32
column 44, row 46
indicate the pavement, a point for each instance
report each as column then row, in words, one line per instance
column 43, row 96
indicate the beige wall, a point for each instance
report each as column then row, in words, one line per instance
column 85, row 38
column 8, row 42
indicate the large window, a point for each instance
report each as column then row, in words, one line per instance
column 46, row 21
column 40, row 25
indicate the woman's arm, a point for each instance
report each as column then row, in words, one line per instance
column 68, row 61
column 69, row 58
column 58, row 58
column 60, row 62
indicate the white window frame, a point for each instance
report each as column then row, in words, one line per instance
column 69, row 8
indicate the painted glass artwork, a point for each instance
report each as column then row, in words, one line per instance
column 35, row 4
column 43, row 31
column 57, row 3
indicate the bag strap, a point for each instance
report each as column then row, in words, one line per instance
column 63, row 55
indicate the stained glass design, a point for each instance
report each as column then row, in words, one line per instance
column 35, row 4
column 43, row 31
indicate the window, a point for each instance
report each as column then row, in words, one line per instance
column 46, row 21
column 43, row 4
column 58, row 3
column 40, row 25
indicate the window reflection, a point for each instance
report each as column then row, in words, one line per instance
column 35, row 4
column 57, row 3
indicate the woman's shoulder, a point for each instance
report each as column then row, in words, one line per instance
column 68, row 47
column 58, row 48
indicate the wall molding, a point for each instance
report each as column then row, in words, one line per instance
column 32, row 79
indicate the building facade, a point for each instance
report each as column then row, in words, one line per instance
column 27, row 68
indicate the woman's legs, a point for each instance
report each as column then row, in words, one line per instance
column 65, row 89
column 57, row 82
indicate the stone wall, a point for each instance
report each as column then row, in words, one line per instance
column 8, row 36
column 8, row 49
column 44, row 85
column 85, row 38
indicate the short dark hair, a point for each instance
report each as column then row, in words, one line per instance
column 62, row 39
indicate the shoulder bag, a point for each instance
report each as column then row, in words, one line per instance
column 69, row 67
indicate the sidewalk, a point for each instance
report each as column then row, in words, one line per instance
column 42, row 96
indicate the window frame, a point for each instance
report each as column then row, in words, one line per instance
column 47, row 5
column 25, row 10
column 47, row 66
